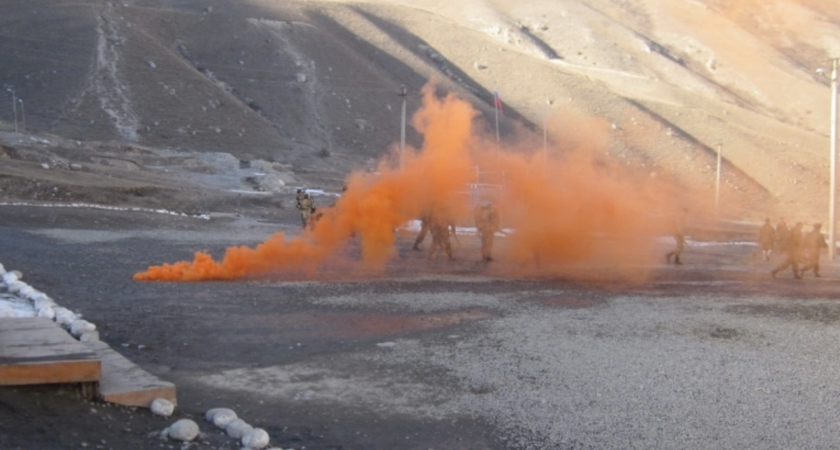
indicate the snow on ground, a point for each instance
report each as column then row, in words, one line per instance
column 18, row 300
column 112, row 208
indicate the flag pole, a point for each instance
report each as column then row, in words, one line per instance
column 496, row 109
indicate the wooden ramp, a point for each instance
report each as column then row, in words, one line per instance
column 39, row 351
column 125, row 383
column 36, row 350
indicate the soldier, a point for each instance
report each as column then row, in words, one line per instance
column 425, row 219
column 487, row 223
column 813, row 243
column 766, row 239
column 439, row 227
column 792, row 246
column 679, row 238
column 316, row 215
column 304, row 203
column 781, row 233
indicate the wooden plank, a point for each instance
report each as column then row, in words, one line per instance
column 126, row 383
column 59, row 373
column 36, row 350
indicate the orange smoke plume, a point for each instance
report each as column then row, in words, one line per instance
column 560, row 208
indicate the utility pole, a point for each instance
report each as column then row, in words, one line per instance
column 832, row 205
column 717, row 181
column 23, row 113
column 14, row 106
column 545, row 144
column 403, row 93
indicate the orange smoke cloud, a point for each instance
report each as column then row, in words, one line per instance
column 561, row 208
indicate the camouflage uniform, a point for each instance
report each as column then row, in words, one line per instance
column 766, row 239
column 305, row 204
column 813, row 243
column 439, row 229
column 425, row 219
column 487, row 223
column 792, row 246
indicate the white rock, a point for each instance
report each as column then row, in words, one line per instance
column 237, row 428
column 64, row 316
column 45, row 311
column 9, row 277
column 2, row 269
column 162, row 407
column 223, row 417
column 22, row 289
column 208, row 416
column 16, row 286
column 43, row 301
column 183, row 430
column 39, row 297
column 256, row 438
column 77, row 327
column 89, row 336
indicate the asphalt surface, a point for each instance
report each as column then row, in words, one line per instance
column 711, row 354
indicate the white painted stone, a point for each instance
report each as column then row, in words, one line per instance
column 183, row 430
column 237, row 428
column 89, row 336
column 64, row 316
column 256, row 439
column 77, row 327
column 223, row 417
column 162, row 407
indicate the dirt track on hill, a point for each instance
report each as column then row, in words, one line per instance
column 442, row 355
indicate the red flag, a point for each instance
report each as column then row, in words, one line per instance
column 498, row 101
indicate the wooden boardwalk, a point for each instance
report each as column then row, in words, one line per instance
column 39, row 351
column 36, row 350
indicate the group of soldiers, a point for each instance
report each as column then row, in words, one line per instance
column 440, row 226
column 801, row 250
column 436, row 222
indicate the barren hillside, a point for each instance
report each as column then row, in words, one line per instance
column 307, row 90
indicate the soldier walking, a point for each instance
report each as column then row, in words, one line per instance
column 766, row 239
column 439, row 226
column 487, row 222
column 306, row 205
column 425, row 220
column 679, row 239
column 792, row 246
column 813, row 243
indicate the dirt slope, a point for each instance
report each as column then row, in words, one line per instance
column 310, row 88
